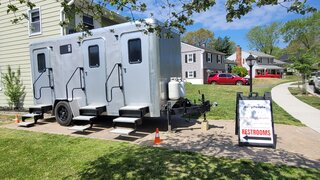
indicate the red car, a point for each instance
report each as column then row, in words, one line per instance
column 225, row 78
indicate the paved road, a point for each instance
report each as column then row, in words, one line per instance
column 305, row 113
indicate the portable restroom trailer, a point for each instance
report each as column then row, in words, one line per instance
column 119, row 71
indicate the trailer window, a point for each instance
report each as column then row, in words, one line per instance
column 134, row 47
column 41, row 59
column 94, row 56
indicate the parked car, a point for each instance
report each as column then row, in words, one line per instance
column 316, row 82
column 226, row 78
column 310, row 80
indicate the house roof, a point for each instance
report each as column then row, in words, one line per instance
column 229, row 61
column 267, row 67
column 276, row 61
column 206, row 49
column 245, row 54
column 260, row 54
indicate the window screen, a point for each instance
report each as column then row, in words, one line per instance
column 88, row 21
column 34, row 21
column 94, row 56
column 134, row 48
column 41, row 59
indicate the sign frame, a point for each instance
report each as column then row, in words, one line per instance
column 259, row 141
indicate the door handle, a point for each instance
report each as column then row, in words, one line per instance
column 86, row 73
column 125, row 70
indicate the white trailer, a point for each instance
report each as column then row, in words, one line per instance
column 117, row 71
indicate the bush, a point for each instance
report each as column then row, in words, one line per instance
column 13, row 88
column 240, row 71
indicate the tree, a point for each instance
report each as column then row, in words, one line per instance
column 13, row 87
column 304, row 39
column 303, row 62
column 224, row 45
column 264, row 38
column 199, row 37
column 179, row 12
column 240, row 71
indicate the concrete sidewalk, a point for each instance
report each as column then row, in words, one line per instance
column 305, row 113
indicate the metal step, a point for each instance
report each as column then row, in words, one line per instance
column 92, row 110
column 25, row 124
column 40, row 108
column 84, row 118
column 80, row 128
column 31, row 115
column 122, row 131
column 133, row 111
column 132, row 107
column 126, row 120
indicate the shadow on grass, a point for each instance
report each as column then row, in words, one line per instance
column 140, row 162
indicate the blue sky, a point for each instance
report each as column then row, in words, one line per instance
column 214, row 19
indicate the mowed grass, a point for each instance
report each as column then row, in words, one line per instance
column 6, row 119
column 313, row 101
column 225, row 96
column 30, row 155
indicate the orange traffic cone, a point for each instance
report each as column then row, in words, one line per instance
column 17, row 119
column 157, row 137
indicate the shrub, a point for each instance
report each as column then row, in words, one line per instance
column 13, row 87
column 240, row 71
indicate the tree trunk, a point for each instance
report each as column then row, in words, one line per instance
column 304, row 87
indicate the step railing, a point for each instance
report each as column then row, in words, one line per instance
column 120, row 83
column 51, row 85
column 82, row 83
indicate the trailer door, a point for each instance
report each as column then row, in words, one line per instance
column 136, row 81
column 95, row 70
column 43, row 87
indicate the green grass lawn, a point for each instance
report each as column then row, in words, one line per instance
column 225, row 96
column 308, row 99
column 30, row 155
column 6, row 119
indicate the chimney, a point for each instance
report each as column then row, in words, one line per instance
column 238, row 56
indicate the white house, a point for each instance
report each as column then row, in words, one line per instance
column 264, row 65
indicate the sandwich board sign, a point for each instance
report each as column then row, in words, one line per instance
column 254, row 120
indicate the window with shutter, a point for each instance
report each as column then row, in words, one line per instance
column 186, row 74
column 194, row 74
column 186, row 58
column 209, row 55
column 194, row 57
column 190, row 58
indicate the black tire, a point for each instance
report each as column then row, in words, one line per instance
column 213, row 83
column 63, row 113
column 239, row 83
column 315, row 90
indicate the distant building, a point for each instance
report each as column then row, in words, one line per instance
column 43, row 23
column 199, row 62
column 266, row 65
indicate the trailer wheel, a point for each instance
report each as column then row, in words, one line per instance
column 63, row 113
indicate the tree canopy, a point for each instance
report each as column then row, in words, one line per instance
column 224, row 45
column 199, row 38
column 179, row 12
column 303, row 36
column 264, row 38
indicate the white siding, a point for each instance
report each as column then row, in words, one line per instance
column 14, row 41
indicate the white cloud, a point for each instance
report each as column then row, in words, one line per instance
column 215, row 18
